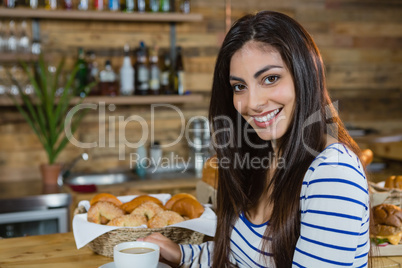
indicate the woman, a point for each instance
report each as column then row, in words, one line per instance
column 309, row 206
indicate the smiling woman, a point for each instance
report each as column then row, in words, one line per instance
column 309, row 207
column 263, row 94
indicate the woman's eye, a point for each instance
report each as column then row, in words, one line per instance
column 270, row 79
column 238, row 87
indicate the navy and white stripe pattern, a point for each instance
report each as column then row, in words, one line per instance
column 334, row 204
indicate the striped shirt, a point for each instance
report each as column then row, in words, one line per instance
column 334, row 203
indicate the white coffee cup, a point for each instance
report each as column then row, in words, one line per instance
column 132, row 260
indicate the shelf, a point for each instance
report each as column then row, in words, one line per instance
column 127, row 100
column 16, row 57
column 25, row 13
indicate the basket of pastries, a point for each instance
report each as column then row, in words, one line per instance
column 107, row 220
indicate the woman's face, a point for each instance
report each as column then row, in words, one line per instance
column 263, row 89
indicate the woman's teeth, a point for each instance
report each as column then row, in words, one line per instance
column 267, row 117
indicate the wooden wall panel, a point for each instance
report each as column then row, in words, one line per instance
column 360, row 42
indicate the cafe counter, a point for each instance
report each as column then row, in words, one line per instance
column 59, row 250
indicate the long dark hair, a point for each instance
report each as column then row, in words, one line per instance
column 314, row 116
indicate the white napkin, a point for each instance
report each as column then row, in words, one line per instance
column 85, row 232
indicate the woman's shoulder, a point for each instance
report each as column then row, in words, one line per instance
column 336, row 160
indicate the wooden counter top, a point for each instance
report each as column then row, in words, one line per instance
column 59, row 250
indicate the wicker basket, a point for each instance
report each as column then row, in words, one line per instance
column 103, row 245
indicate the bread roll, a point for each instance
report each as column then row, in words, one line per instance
column 394, row 182
column 102, row 212
column 210, row 171
column 105, row 197
column 133, row 204
column 188, row 207
column 177, row 197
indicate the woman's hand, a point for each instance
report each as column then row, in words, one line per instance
column 169, row 250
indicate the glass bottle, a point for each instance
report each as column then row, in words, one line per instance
column 128, row 5
column 12, row 40
column 24, row 42
column 114, row 5
column 141, row 5
column 33, row 4
column 179, row 72
column 81, row 75
column 108, row 81
column 154, row 5
column 164, row 5
column 98, row 5
column 93, row 73
column 154, row 72
column 51, row 4
column 83, row 5
column 68, row 4
column 141, row 71
column 185, row 6
column 10, row 3
column 3, row 40
column 126, row 74
column 164, row 77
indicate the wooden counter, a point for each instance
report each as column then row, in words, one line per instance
column 59, row 250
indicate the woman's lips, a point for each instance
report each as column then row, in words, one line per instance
column 266, row 120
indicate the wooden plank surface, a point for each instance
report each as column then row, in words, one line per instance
column 97, row 15
column 59, row 250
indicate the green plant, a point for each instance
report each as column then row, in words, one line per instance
column 45, row 112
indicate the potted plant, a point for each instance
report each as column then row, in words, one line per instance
column 46, row 112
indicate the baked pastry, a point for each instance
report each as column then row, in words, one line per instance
column 107, row 198
column 164, row 219
column 147, row 209
column 188, row 207
column 366, row 157
column 387, row 223
column 393, row 182
column 133, row 204
column 128, row 221
column 210, row 171
column 176, row 197
column 102, row 212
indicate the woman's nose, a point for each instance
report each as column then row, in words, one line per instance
column 257, row 100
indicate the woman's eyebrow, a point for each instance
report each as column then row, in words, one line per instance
column 232, row 77
column 266, row 68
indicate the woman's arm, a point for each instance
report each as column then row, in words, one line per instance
column 334, row 214
column 185, row 256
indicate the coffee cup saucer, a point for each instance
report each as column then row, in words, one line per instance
column 111, row 265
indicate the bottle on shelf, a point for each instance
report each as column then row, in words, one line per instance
column 24, row 42
column 154, row 5
column 10, row 3
column 93, row 73
column 128, row 5
column 154, row 72
column 164, row 5
column 51, row 4
column 141, row 71
column 68, row 4
column 164, row 76
column 107, row 81
column 12, row 42
column 81, row 75
column 141, row 5
column 83, row 5
column 185, row 6
column 3, row 38
column 179, row 73
column 98, row 5
column 114, row 5
column 126, row 74
column 33, row 4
